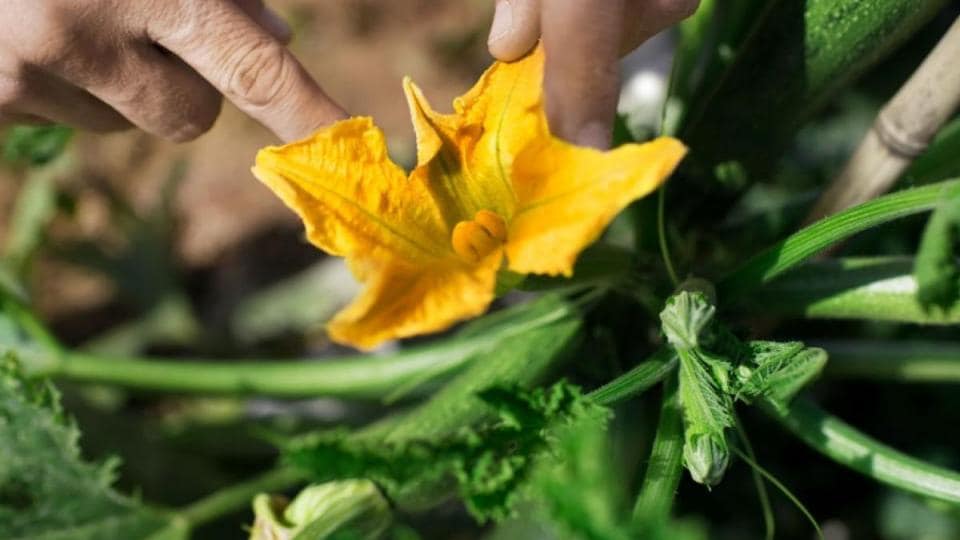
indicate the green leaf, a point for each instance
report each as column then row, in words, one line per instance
column 787, row 253
column 47, row 491
column 35, row 145
column 864, row 288
column 937, row 269
column 777, row 371
column 524, row 357
column 579, row 490
column 796, row 57
column 490, row 461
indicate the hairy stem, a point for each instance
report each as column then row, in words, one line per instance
column 638, row 379
column 652, row 508
column 237, row 496
column 354, row 377
column 842, row 443
column 898, row 361
column 357, row 376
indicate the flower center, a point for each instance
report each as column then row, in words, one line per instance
column 475, row 239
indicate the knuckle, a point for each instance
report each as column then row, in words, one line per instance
column 258, row 74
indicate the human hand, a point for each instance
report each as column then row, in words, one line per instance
column 583, row 41
column 161, row 65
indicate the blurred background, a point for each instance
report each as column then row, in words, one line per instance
column 135, row 246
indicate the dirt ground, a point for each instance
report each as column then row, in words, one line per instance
column 359, row 50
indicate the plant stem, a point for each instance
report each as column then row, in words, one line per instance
column 638, row 379
column 237, row 496
column 662, row 236
column 359, row 376
column 769, row 524
column 30, row 324
column 842, row 443
column 652, row 508
column 902, row 130
column 899, row 361
column 796, row 248
column 871, row 288
column 354, row 377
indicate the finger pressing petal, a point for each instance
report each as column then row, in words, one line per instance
column 515, row 29
column 248, row 65
column 581, row 39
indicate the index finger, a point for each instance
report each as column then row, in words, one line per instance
column 246, row 64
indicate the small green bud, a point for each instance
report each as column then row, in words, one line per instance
column 685, row 317
column 706, row 457
column 321, row 510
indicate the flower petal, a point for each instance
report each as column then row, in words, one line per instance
column 468, row 154
column 402, row 300
column 460, row 185
column 567, row 195
column 354, row 201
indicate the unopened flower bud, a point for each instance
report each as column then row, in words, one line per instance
column 706, row 457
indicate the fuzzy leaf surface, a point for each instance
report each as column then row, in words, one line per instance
column 47, row 491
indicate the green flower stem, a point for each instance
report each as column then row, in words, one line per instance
column 359, row 376
column 638, row 379
column 662, row 235
column 652, row 508
column 842, row 443
column 30, row 324
column 899, row 361
column 876, row 288
column 349, row 377
column 236, row 497
column 796, row 248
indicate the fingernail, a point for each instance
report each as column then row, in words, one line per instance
column 595, row 135
column 275, row 24
column 502, row 21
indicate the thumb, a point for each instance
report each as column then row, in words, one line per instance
column 515, row 29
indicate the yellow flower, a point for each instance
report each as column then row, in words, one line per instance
column 490, row 184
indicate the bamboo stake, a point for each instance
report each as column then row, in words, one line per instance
column 901, row 132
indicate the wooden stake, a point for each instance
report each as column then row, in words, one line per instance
column 902, row 130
